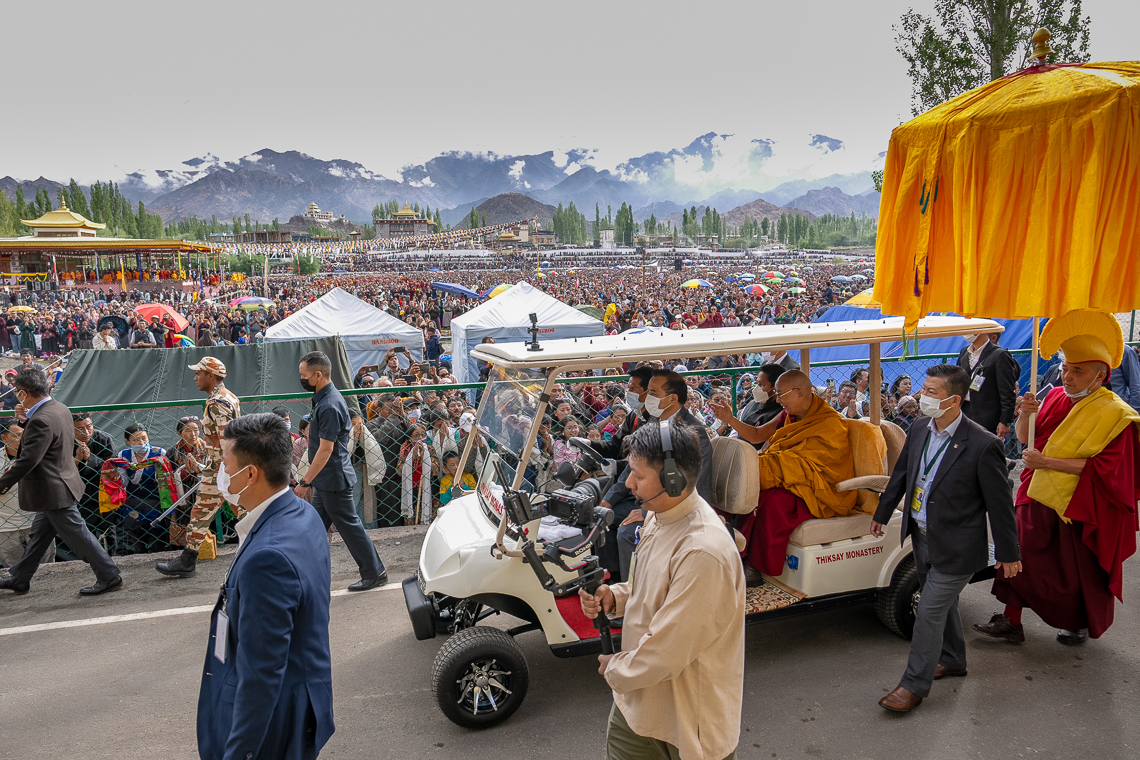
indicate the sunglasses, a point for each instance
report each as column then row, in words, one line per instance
column 187, row 419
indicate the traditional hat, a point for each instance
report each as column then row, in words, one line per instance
column 1085, row 336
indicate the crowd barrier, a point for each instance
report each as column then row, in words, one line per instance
column 391, row 478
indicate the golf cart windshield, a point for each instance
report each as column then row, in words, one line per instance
column 507, row 412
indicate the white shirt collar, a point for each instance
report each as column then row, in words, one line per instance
column 950, row 430
column 245, row 524
column 975, row 354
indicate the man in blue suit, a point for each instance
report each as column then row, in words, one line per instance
column 267, row 684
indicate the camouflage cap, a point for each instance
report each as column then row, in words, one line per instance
column 211, row 365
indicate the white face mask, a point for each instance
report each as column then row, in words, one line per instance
column 224, row 485
column 633, row 401
column 970, row 339
column 759, row 394
column 1081, row 394
column 653, row 406
column 932, row 407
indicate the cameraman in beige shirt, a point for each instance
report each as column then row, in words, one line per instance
column 679, row 681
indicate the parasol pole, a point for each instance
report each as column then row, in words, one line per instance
column 1033, row 378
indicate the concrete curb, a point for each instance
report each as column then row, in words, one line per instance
column 140, row 560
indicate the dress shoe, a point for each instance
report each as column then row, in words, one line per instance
column 16, row 587
column 900, row 700
column 753, row 577
column 366, row 584
column 102, row 587
column 184, row 566
column 941, row 672
column 1073, row 638
column 1000, row 628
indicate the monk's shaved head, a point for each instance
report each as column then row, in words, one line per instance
column 794, row 393
column 793, row 379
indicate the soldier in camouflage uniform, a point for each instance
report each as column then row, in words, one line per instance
column 222, row 407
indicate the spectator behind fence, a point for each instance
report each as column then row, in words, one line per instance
column 267, row 682
column 330, row 477
column 14, row 524
column 51, row 486
column 92, row 448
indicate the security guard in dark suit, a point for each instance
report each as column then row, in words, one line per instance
column 994, row 373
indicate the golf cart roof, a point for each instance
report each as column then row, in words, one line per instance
column 608, row 350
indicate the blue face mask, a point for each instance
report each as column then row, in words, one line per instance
column 140, row 448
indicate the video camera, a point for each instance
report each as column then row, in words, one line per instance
column 576, row 505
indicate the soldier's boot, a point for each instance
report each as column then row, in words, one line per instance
column 182, row 567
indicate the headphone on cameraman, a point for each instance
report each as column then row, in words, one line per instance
column 673, row 481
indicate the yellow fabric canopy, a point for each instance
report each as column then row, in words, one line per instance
column 864, row 299
column 1016, row 199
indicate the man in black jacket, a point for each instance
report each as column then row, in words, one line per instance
column 992, row 396
column 92, row 448
column 664, row 400
column 950, row 476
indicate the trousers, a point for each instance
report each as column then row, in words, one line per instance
column 338, row 508
column 68, row 525
column 937, row 638
column 623, row 744
column 207, row 504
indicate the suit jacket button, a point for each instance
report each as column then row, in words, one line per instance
column 248, row 756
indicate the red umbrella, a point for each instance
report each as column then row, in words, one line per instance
column 160, row 310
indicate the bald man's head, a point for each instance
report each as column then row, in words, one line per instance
column 794, row 392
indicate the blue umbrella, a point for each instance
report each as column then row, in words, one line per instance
column 858, row 277
column 435, row 269
column 841, row 278
column 454, row 289
column 338, row 271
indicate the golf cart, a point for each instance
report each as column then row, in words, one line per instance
column 516, row 546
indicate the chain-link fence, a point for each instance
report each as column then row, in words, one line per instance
column 406, row 445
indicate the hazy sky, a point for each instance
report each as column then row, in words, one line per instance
column 99, row 89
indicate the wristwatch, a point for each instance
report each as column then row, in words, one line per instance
column 305, row 484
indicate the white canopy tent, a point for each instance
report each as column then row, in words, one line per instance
column 506, row 319
column 367, row 332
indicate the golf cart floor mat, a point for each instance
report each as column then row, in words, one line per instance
column 769, row 596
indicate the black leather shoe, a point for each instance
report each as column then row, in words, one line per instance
column 183, row 566
column 15, row 586
column 365, row 584
column 103, row 587
column 1073, row 638
column 1000, row 628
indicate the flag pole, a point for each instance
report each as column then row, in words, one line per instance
column 1033, row 376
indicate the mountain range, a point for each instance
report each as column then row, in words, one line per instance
column 722, row 171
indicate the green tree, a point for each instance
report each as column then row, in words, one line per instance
column 967, row 43
column 483, row 219
column 76, row 200
column 473, row 220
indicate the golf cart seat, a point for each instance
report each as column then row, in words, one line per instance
column 735, row 475
column 875, row 451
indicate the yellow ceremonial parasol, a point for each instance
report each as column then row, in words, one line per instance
column 1016, row 199
column 863, row 299
column 20, row 309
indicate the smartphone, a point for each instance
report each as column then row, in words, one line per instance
column 409, row 379
column 831, row 383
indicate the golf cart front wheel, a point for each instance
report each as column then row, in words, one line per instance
column 897, row 605
column 480, row 677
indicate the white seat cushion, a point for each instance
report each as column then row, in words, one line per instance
column 815, row 531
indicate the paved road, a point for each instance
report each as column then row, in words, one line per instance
column 129, row 689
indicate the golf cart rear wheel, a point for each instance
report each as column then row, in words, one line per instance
column 479, row 677
column 897, row 605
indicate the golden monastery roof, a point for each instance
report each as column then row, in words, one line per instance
column 406, row 211
column 81, row 246
column 62, row 218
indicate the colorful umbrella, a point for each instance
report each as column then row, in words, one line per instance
column 794, row 281
column 797, row 290
column 696, row 284
column 160, row 310
column 756, row 290
column 183, row 340
column 864, row 299
column 502, row 287
column 775, row 275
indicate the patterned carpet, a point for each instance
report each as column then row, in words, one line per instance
column 769, row 597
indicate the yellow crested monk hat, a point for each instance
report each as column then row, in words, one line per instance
column 1085, row 336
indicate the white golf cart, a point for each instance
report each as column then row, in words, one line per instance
column 510, row 547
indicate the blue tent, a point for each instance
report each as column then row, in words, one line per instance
column 1018, row 334
column 451, row 287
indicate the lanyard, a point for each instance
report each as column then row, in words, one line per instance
column 927, row 464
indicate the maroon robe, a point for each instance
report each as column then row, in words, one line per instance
column 1072, row 571
column 768, row 528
